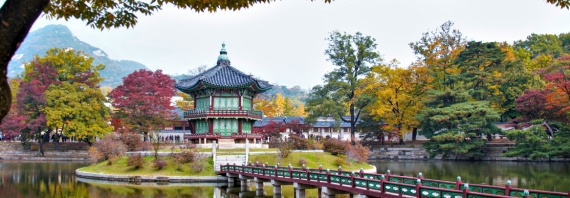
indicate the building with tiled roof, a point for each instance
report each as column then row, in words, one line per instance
column 223, row 104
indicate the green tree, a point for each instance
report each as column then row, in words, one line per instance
column 541, row 44
column 454, row 124
column 77, row 109
column 353, row 56
column 532, row 142
column 437, row 50
column 18, row 16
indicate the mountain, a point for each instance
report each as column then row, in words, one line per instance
column 39, row 41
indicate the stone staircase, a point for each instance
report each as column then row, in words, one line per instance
column 228, row 159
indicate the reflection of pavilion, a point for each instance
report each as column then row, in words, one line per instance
column 223, row 105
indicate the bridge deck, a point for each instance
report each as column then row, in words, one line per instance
column 382, row 185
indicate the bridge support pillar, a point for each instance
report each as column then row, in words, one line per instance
column 277, row 187
column 330, row 193
column 259, row 186
column 300, row 189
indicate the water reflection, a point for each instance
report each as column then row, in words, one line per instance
column 56, row 180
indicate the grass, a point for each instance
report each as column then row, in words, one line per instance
column 225, row 151
column 313, row 161
column 120, row 167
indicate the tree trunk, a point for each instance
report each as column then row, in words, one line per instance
column 41, row 147
column 16, row 19
column 352, row 125
column 414, row 133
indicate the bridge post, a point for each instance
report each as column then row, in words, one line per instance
column 458, row 183
column 465, row 190
column 382, row 179
column 418, row 188
column 508, row 188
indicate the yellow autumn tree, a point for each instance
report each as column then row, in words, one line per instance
column 300, row 110
column 398, row 92
column 279, row 104
column 266, row 106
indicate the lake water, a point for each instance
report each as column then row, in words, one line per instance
column 23, row 179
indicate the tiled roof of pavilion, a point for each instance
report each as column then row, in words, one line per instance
column 223, row 75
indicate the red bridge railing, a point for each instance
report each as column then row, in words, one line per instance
column 384, row 185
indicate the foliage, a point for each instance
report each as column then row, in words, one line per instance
column 284, row 147
column 136, row 161
column 272, row 128
column 110, row 146
column 336, row 146
column 398, row 93
column 143, row 100
column 185, row 156
column 278, row 106
column 77, row 110
column 159, row 163
column 531, row 142
column 340, row 161
column 560, row 3
column 131, row 140
column 358, row 153
column 298, row 143
column 94, row 155
column 352, row 55
column 59, row 92
column 302, row 161
column 437, row 50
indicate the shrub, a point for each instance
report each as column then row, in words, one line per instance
column 314, row 144
column 302, row 161
column 109, row 146
column 112, row 159
column 358, row 153
column 136, row 161
column 94, row 155
column 159, row 163
column 336, row 147
column 199, row 161
column 132, row 141
column 184, row 157
column 284, row 148
column 339, row 161
column 298, row 143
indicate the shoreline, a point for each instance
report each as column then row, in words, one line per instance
column 163, row 179
column 156, row 178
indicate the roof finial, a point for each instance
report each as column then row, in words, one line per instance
column 223, row 58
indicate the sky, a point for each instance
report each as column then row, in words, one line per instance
column 284, row 42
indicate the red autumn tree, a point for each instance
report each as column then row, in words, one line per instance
column 31, row 99
column 558, row 85
column 144, row 100
column 272, row 128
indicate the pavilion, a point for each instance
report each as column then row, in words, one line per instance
column 223, row 105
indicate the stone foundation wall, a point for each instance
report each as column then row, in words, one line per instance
column 13, row 151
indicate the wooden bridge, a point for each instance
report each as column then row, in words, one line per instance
column 329, row 183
